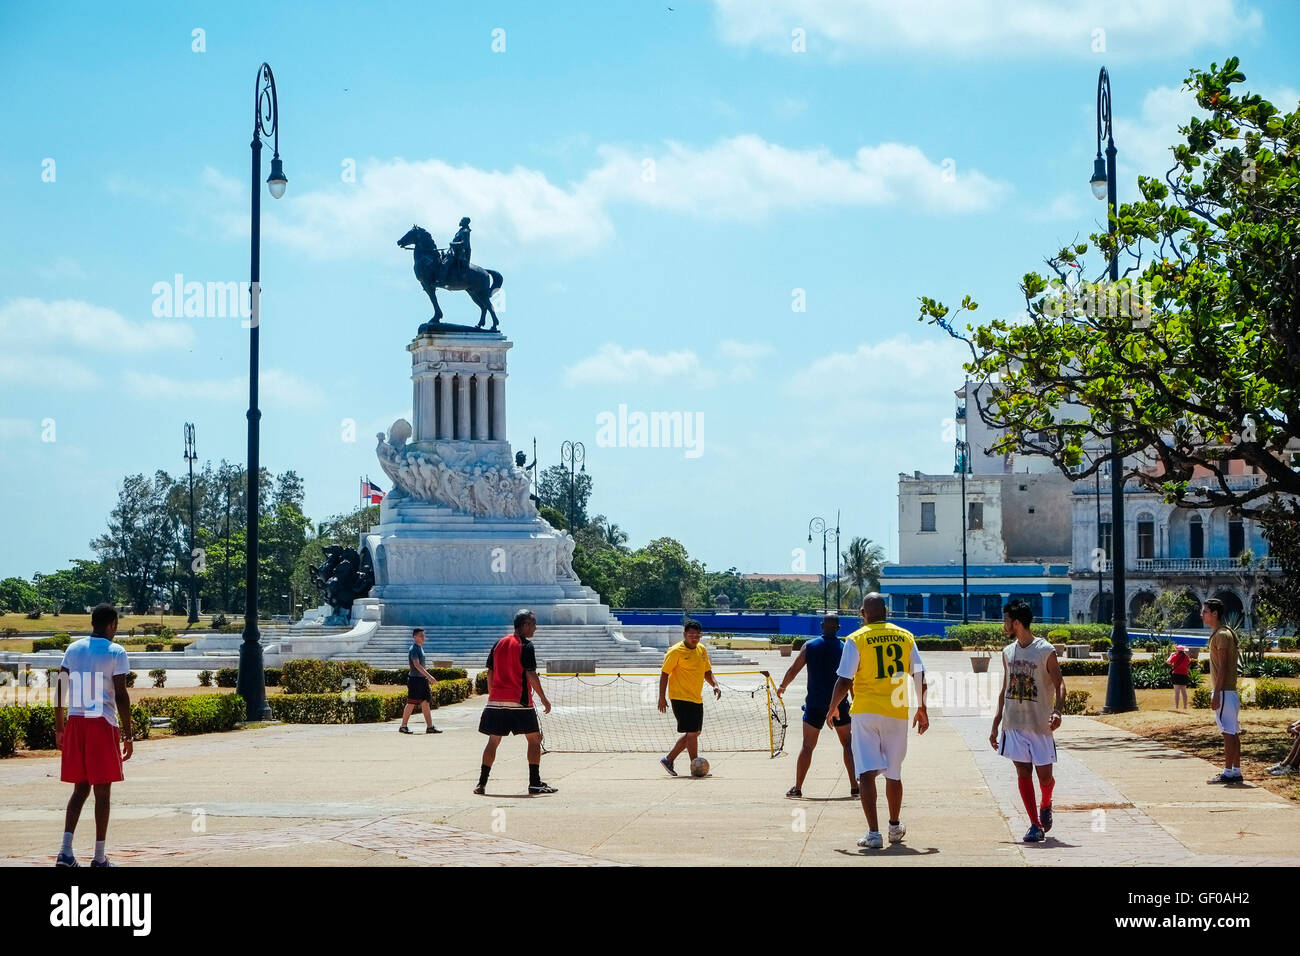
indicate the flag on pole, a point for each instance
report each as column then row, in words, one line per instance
column 371, row 491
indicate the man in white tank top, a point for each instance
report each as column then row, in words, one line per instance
column 1029, row 709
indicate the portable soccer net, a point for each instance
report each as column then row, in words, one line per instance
column 619, row 713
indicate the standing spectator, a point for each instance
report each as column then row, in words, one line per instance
column 512, row 681
column 1224, row 699
column 419, row 685
column 92, row 683
column 1180, row 662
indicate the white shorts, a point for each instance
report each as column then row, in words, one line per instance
column 878, row 743
column 1025, row 746
column 1227, row 716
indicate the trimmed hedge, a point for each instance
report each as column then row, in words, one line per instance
column 205, row 678
column 938, row 644
column 990, row 632
column 11, row 724
column 228, row 677
column 328, row 708
column 38, row 728
column 1071, row 667
column 273, row 676
column 139, row 723
column 397, row 676
column 323, row 677
column 207, row 713
column 1286, row 643
column 1266, row 695
column 1157, row 675
column 159, row 675
column 56, row 643
column 480, row 682
column 1272, row 667
column 798, row 642
column 1076, row 701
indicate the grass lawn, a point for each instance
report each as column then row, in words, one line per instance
column 78, row 625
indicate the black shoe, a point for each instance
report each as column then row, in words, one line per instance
column 66, row 859
column 541, row 788
column 403, row 729
column 432, row 730
column 100, row 863
column 1045, row 817
column 480, row 789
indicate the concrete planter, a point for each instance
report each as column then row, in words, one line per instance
column 979, row 665
column 786, row 650
column 1060, row 649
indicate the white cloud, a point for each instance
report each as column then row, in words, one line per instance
column 985, row 28
column 71, row 323
column 745, row 357
column 742, row 178
column 881, row 381
column 745, row 178
column 44, row 371
column 614, row 365
column 275, row 387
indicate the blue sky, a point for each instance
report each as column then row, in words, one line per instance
column 656, row 185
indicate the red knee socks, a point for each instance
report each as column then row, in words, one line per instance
column 1027, row 795
column 1047, row 791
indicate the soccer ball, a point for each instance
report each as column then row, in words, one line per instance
column 699, row 767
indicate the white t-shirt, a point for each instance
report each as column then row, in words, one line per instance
column 92, row 663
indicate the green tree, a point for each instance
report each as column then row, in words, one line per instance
column 1202, row 370
column 1166, row 612
column 59, row 589
column 17, row 596
column 141, row 537
column 661, row 574
column 553, row 492
column 1282, row 591
column 862, row 563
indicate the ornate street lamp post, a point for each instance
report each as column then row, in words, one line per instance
column 574, row 453
column 266, row 125
column 818, row 526
column 1119, row 684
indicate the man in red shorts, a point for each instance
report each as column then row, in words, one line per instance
column 512, row 680
column 92, row 686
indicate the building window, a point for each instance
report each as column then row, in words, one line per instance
column 1146, row 528
column 952, row 605
column 976, row 518
column 1103, row 538
column 1236, row 537
column 1196, row 537
column 927, row 516
column 915, row 604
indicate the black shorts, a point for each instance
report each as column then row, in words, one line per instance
column 417, row 689
column 690, row 716
column 816, row 716
column 1180, row 680
column 504, row 721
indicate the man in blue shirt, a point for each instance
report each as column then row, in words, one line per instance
column 418, row 685
column 821, row 656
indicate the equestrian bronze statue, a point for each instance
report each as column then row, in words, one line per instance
column 452, row 270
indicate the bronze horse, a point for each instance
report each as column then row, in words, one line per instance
column 435, row 272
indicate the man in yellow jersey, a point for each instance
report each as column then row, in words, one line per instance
column 1223, row 697
column 874, row 664
column 686, row 668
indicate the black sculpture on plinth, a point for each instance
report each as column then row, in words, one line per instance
column 451, row 270
column 343, row 577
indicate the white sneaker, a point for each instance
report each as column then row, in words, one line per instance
column 872, row 840
column 1282, row 770
column 896, row 833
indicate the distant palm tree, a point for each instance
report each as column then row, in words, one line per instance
column 863, row 562
column 615, row 536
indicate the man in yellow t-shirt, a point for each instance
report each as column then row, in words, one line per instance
column 686, row 668
column 875, row 663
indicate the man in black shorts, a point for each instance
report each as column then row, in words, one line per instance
column 512, row 680
column 821, row 656
column 418, row 684
column 686, row 668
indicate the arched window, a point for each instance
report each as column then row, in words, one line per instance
column 1236, row 537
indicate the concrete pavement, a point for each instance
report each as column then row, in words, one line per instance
column 364, row 794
